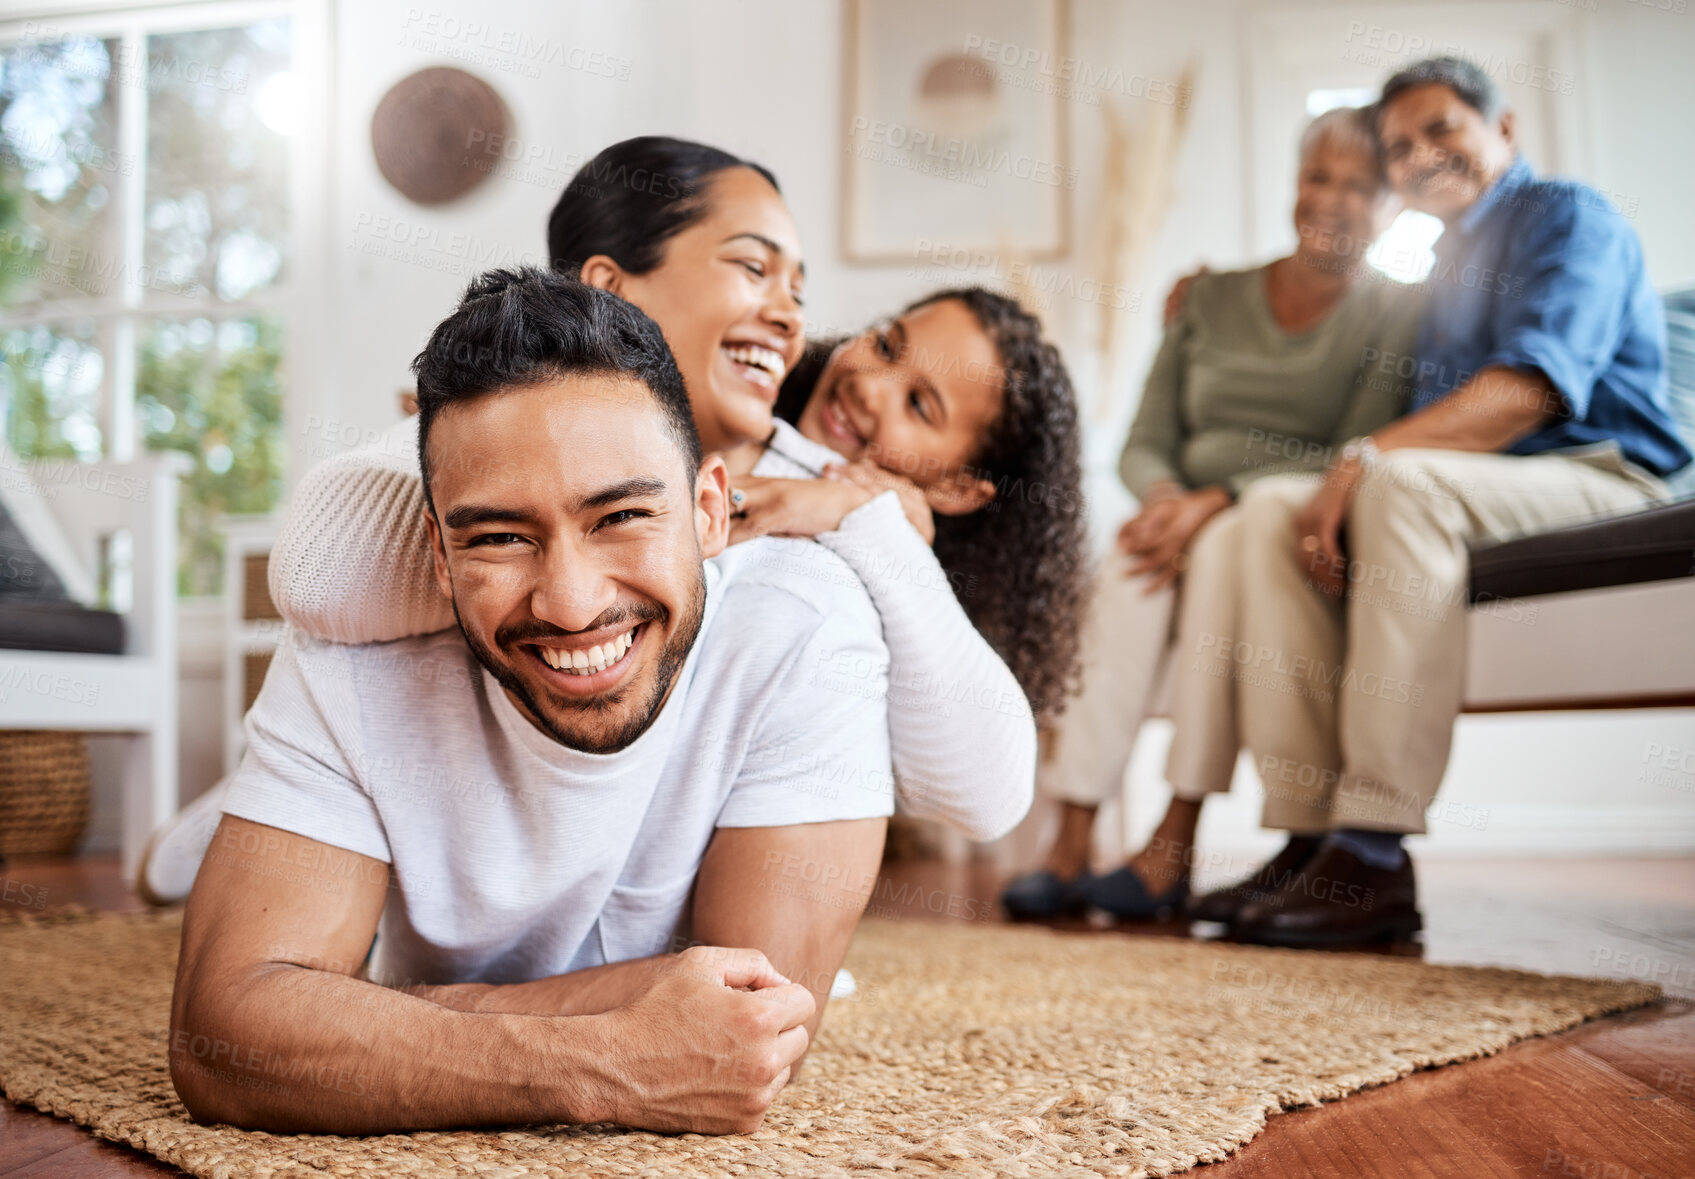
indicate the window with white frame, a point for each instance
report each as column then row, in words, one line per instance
column 1310, row 58
column 145, row 269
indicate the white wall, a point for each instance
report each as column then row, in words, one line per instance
column 759, row 77
column 763, row 78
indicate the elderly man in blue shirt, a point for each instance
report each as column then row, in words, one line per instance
column 1541, row 402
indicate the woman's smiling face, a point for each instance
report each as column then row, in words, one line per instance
column 1341, row 203
column 917, row 396
column 727, row 295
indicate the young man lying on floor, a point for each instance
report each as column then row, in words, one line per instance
column 623, row 745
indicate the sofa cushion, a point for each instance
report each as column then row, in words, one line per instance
column 1655, row 544
column 26, row 501
column 60, row 626
column 24, row 574
column 1680, row 379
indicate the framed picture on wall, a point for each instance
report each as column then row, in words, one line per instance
column 955, row 129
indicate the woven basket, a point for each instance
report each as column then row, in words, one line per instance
column 45, row 791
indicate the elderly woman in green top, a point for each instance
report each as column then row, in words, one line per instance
column 1262, row 370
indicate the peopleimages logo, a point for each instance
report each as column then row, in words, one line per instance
column 46, row 475
column 28, row 149
column 1081, row 78
column 1376, row 45
column 511, row 50
column 126, row 64
column 971, row 158
column 28, row 251
column 45, row 683
column 1033, row 282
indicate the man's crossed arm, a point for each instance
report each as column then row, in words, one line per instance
column 271, row 1028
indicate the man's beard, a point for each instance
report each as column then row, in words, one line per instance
column 671, row 660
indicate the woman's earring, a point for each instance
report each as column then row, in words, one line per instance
column 737, row 499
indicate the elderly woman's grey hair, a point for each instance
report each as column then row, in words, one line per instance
column 1348, row 128
column 1466, row 79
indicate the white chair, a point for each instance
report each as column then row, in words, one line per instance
column 253, row 630
column 133, row 694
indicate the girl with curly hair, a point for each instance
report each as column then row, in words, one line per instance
column 990, row 480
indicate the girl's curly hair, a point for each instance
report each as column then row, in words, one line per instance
column 1018, row 564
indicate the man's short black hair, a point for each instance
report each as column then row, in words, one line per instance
column 519, row 328
column 1466, row 79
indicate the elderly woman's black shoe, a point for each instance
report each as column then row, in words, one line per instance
column 1124, row 894
column 1036, row 896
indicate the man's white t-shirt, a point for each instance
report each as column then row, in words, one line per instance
column 513, row 857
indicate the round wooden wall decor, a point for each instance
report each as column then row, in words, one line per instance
column 434, row 131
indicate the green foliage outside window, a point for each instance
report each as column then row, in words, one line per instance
column 206, row 385
column 213, row 392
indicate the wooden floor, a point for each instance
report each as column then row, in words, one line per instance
column 1614, row 1099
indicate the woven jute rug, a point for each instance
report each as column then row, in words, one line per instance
column 969, row 1050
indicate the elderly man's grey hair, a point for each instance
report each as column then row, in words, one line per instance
column 1350, row 128
column 1466, row 79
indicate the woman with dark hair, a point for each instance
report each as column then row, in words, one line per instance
column 703, row 242
column 958, row 406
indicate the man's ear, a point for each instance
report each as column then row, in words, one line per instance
column 959, row 496
column 601, row 271
column 438, row 554
column 712, row 506
column 1508, row 127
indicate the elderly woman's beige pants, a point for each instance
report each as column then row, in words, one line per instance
column 1130, row 639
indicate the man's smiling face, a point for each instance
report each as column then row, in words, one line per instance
column 569, row 533
column 1440, row 152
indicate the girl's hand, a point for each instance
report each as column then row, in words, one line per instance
column 876, row 480
column 790, row 507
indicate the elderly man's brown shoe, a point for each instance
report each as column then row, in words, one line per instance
column 1336, row 899
column 1225, row 905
